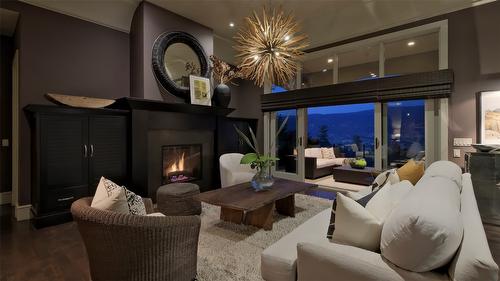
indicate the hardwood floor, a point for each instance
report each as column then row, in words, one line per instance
column 52, row 253
column 57, row 252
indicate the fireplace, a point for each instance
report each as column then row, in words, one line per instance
column 181, row 163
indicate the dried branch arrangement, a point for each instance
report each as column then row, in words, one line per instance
column 223, row 72
column 269, row 47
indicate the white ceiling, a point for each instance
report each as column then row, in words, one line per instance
column 324, row 21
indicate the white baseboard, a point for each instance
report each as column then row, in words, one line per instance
column 5, row 197
column 23, row 212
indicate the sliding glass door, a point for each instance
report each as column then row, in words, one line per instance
column 403, row 132
column 287, row 145
column 349, row 129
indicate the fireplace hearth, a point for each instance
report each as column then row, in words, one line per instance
column 181, row 163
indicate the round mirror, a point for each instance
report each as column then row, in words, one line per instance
column 180, row 62
column 176, row 55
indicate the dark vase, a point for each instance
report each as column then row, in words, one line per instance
column 222, row 95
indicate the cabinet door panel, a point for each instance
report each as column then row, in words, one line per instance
column 108, row 149
column 63, row 163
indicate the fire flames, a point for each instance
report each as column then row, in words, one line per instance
column 178, row 165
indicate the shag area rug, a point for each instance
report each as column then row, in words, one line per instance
column 228, row 251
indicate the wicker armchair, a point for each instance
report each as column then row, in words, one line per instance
column 127, row 247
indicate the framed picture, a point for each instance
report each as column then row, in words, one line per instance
column 488, row 117
column 199, row 88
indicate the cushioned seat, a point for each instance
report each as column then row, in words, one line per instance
column 321, row 163
column 278, row 262
column 176, row 199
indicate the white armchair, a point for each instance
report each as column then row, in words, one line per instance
column 232, row 172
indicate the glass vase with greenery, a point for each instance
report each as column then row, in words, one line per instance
column 262, row 162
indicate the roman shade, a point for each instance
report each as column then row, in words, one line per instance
column 426, row 85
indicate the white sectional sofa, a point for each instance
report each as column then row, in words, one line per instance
column 306, row 254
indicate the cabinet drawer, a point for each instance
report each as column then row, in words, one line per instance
column 61, row 199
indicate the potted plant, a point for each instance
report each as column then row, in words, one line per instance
column 223, row 73
column 263, row 163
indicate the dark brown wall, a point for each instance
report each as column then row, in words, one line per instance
column 6, row 54
column 245, row 98
column 62, row 54
column 473, row 54
column 149, row 22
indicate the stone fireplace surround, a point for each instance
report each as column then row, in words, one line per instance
column 155, row 124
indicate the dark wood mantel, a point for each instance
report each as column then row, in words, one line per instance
column 132, row 103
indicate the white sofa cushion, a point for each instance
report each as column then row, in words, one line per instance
column 278, row 261
column 111, row 197
column 445, row 169
column 425, row 230
column 473, row 261
column 355, row 225
column 388, row 198
column 381, row 179
column 328, row 153
column 321, row 163
column 156, row 215
column 135, row 203
column 318, row 261
column 314, row 152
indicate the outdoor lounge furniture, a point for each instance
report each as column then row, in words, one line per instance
column 317, row 165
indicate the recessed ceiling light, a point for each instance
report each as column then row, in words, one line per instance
column 324, row 70
column 330, row 60
column 411, row 43
column 231, row 24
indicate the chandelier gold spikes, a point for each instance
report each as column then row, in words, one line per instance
column 269, row 47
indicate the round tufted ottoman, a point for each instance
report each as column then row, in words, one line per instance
column 176, row 199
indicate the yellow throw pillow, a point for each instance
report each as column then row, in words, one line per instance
column 411, row 171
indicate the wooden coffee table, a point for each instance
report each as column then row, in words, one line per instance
column 356, row 176
column 241, row 204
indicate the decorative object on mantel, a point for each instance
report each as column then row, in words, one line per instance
column 263, row 179
column 269, row 47
column 200, row 90
column 78, row 101
column 488, row 117
column 176, row 56
column 223, row 73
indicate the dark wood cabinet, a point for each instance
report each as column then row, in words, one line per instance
column 108, row 149
column 72, row 148
column 485, row 174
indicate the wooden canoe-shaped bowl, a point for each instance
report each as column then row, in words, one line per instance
column 78, row 101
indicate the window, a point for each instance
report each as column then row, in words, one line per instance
column 359, row 64
column 412, row 54
column 348, row 128
column 404, row 132
column 286, row 141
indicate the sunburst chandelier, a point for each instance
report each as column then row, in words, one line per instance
column 269, row 47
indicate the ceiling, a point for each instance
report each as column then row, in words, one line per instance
column 8, row 22
column 324, row 21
